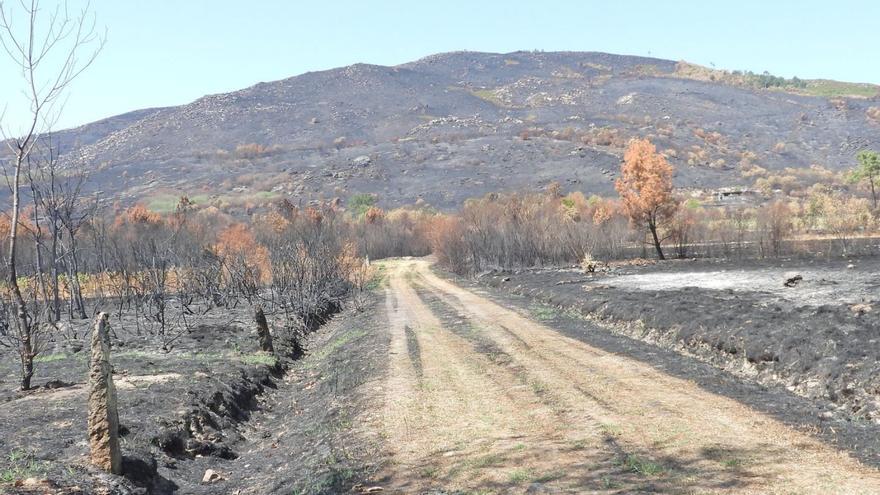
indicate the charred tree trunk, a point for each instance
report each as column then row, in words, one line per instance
column 56, row 295
column 38, row 251
column 873, row 193
column 263, row 330
column 25, row 336
column 26, row 353
column 76, row 292
column 652, row 226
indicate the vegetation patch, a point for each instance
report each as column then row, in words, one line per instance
column 21, row 465
column 543, row 312
column 491, row 96
column 163, row 204
column 813, row 87
column 520, row 475
column 337, row 344
column 50, row 358
column 642, row 466
column 359, row 204
column 549, row 476
column 831, row 89
column 260, row 358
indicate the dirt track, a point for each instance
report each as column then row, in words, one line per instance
column 479, row 398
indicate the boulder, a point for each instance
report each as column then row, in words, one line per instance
column 362, row 161
column 212, row 476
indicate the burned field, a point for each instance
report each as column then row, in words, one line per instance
column 514, row 382
column 814, row 343
column 211, row 415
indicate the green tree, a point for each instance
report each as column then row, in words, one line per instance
column 868, row 170
column 359, row 204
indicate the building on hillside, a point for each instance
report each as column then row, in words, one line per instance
column 735, row 196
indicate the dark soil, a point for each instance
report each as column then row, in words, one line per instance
column 808, row 359
column 212, row 402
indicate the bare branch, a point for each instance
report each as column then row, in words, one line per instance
column 67, row 36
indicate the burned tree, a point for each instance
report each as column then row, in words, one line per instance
column 60, row 205
column 74, row 213
column 263, row 330
column 48, row 49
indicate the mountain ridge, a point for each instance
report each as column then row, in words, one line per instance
column 459, row 124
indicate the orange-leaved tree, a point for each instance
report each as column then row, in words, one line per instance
column 246, row 262
column 645, row 187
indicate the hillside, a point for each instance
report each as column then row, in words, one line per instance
column 457, row 125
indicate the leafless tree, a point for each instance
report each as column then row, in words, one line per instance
column 311, row 268
column 73, row 213
column 59, row 203
column 51, row 48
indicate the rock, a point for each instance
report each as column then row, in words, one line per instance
column 103, row 417
column 626, row 99
column 212, row 476
column 362, row 161
column 53, row 384
column 861, row 309
column 360, row 488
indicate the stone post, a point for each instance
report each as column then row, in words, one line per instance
column 103, row 416
column 263, row 330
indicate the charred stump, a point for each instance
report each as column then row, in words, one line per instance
column 103, row 417
column 263, row 330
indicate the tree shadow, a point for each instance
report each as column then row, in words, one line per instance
column 604, row 468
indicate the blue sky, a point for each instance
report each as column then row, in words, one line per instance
column 165, row 52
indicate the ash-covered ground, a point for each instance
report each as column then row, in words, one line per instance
column 213, row 402
column 844, row 281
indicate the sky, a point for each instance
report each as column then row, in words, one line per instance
column 164, row 52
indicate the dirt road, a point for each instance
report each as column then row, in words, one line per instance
column 481, row 399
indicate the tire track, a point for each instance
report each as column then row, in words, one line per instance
column 469, row 423
column 683, row 437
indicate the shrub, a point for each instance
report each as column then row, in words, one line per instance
column 588, row 263
column 254, row 150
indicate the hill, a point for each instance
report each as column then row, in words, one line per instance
column 457, row 125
